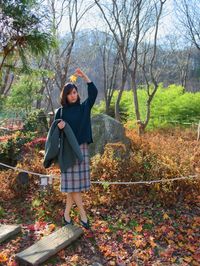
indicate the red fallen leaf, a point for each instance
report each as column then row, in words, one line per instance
column 129, row 236
column 180, row 237
column 31, row 227
column 37, row 226
column 89, row 234
column 196, row 256
column 192, row 248
column 40, row 225
column 103, row 229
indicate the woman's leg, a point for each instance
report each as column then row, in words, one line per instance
column 69, row 204
column 77, row 197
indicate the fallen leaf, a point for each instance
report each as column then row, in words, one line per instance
column 138, row 228
column 188, row 259
column 3, row 257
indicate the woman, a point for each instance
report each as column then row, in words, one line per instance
column 77, row 115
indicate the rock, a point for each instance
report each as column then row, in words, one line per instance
column 22, row 178
column 108, row 131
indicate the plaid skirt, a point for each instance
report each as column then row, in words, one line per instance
column 77, row 177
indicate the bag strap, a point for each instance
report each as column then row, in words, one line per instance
column 61, row 112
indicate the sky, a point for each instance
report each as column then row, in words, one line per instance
column 92, row 20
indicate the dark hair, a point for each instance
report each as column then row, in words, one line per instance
column 67, row 88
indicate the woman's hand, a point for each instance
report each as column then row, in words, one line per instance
column 81, row 74
column 61, row 124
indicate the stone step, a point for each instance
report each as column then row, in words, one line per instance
column 49, row 245
column 8, row 230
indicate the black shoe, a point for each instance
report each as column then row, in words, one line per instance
column 85, row 224
column 67, row 222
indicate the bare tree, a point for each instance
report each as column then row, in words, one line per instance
column 110, row 64
column 188, row 13
column 180, row 58
column 59, row 59
column 130, row 22
column 63, row 53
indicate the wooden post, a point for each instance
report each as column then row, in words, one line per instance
column 198, row 131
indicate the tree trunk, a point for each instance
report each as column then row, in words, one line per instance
column 124, row 75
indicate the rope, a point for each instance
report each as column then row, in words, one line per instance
column 22, row 170
column 106, row 182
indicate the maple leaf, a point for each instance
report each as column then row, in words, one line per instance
column 165, row 216
column 3, row 257
column 40, row 225
column 191, row 248
column 170, row 233
column 188, row 259
column 73, row 78
column 152, row 243
column 74, row 258
column 196, row 256
column 31, row 227
column 163, row 228
column 52, row 227
column 138, row 228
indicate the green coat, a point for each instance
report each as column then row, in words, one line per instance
column 69, row 149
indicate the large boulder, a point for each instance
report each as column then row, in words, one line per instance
column 106, row 129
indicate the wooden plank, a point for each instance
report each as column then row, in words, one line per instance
column 8, row 230
column 50, row 245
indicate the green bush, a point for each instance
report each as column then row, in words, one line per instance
column 10, row 151
column 36, row 121
column 169, row 105
column 35, row 125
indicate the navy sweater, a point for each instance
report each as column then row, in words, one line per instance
column 77, row 115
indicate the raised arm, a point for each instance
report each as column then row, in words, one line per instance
column 92, row 89
column 92, row 94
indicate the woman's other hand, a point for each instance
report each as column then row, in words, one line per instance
column 81, row 74
column 61, row 124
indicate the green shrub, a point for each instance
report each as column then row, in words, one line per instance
column 10, row 151
column 36, row 121
column 169, row 105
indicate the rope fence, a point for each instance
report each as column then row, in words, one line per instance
column 48, row 178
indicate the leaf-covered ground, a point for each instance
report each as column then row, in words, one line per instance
column 139, row 225
column 135, row 232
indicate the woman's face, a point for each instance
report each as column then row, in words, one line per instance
column 72, row 96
